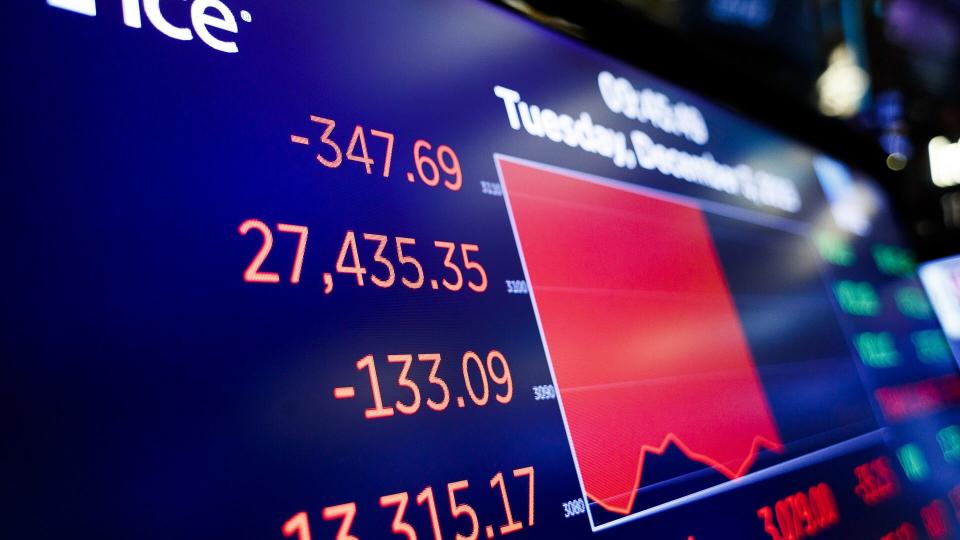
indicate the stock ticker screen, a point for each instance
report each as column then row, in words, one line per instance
column 427, row 269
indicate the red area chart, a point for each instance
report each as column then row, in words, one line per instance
column 641, row 329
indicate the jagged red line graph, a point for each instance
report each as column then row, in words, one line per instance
column 759, row 442
column 641, row 329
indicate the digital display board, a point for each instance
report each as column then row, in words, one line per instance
column 429, row 270
column 941, row 279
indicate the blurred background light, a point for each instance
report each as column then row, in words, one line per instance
column 843, row 85
column 944, row 162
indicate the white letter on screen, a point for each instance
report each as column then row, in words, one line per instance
column 83, row 7
column 226, row 22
